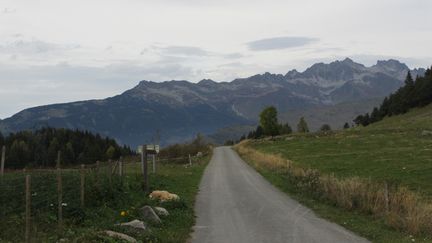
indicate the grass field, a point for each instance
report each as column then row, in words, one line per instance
column 103, row 206
column 392, row 151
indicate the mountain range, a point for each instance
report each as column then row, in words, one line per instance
column 324, row 93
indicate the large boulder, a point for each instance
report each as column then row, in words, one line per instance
column 137, row 224
column 148, row 215
column 120, row 236
column 161, row 211
column 426, row 133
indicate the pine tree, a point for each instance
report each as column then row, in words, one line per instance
column 325, row 128
column 259, row 132
column 346, row 125
column 285, row 129
column 302, row 126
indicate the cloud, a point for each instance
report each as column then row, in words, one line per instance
column 183, row 51
column 8, row 11
column 277, row 43
column 20, row 45
column 235, row 55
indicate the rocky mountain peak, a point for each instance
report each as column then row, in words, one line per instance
column 391, row 65
column 207, row 82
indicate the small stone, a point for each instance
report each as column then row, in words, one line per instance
column 161, row 211
column 137, row 224
column 120, row 236
column 426, row 133
column 148, row 214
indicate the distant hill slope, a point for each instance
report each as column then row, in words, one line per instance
column 180, row 109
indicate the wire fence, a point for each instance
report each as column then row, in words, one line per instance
column 34, row 202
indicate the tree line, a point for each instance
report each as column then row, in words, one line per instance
column 39, row 148
column 414, row 93
column 270, row 126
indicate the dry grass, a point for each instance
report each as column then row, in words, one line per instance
column 401, row 208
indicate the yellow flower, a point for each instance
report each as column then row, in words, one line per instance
column 123, row 213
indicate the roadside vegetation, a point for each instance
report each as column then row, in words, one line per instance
column 110, row 199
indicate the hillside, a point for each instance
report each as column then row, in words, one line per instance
column 397, row 149
column 180, row 109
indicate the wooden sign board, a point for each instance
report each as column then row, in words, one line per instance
column 150, row 149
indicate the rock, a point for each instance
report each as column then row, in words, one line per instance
column 120, row 236
column 161, row 211
column 149, row 215
column 199, row 154
column 289, row 138
column 163, row 196
column 137, row 224
column 426, row 133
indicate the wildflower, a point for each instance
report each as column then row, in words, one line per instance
column 64, row 204
column 123, row 213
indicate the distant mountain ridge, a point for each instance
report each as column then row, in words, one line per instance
column 180, row 109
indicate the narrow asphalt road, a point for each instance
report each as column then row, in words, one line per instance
column 236, row 204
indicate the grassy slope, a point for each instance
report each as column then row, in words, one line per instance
column 391, row 150
column 176, row 178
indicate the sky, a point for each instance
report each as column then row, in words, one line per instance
column 55, row 51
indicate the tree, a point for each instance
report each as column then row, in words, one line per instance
column 302, row 126
column 110, row 152
column 259, row 132
column 269, row 121
column 346, row 125
column 1, row 139
column 375, row 115
column 69, row 154
column 413, row 94
column 53, row 149
column 19, row 154
column 325, row 128
column 285, row 129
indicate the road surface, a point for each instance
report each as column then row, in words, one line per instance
column 237, row 205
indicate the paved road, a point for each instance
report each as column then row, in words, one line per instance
column 235, row 205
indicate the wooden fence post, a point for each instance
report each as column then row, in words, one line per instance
column 190, row 160
column 386, row 197
column 154, row 164
column 121, row 170
column 59, row 196
column 58, row 158
column 3, row 157
column 82, row 185
column 145, row 169
column 110, row 167
column 28, row 208
column 97, row 173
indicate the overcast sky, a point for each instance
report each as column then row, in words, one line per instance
column 54, row 51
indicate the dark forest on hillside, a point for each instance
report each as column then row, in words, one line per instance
column 39, row 148
column 415, row 93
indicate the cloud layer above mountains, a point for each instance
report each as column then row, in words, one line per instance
column 56, row 51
